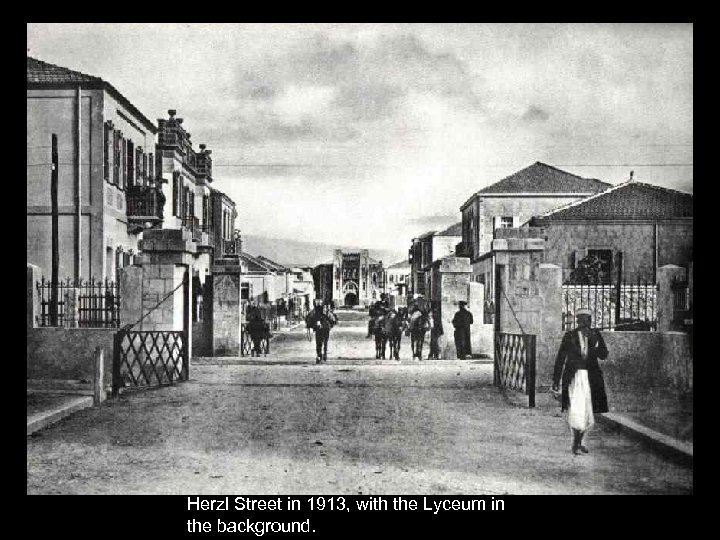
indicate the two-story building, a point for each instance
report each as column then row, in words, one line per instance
column 107, row 190
column 426, row 249
column 511, row 202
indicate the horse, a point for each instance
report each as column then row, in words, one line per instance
column 394, row 327
column 418, row 329
column 378, row 331
column 259, row 331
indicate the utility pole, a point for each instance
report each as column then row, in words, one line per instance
column 54, row 233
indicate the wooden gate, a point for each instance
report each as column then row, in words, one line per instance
column 515, row 363
column 149, row 358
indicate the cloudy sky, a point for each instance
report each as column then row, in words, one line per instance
column 369, row 134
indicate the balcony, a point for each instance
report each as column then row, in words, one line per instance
column 192, row 224
column 208, row 234
column 144, row 207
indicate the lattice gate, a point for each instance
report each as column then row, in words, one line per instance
column 515, row 363
column 149, row 358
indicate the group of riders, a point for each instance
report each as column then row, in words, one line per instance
column 386, row 325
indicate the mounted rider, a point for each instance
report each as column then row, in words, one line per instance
column 377, row 308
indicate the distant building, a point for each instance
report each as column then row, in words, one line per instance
column 649, row 226
column 426, row 249
column 512, row 201
column 351, row 279
column 397, row 280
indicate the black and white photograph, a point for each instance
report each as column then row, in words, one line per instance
column 352, row 260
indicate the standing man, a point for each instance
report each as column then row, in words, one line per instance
column 435, row 332
column 583, row 387
column 321, row 321
column 462, row 321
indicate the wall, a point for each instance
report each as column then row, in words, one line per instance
column 635, row 240
column 523, row 208
column 202, row 338
column 443, row 246
column 67, row 353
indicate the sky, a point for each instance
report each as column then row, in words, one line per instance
column 369, row 135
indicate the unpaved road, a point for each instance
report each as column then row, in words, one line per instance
column 282, row 424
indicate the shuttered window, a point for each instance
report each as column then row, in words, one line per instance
column 107, row 150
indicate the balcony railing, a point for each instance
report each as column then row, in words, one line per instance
column 144, row 204
column 192, row 224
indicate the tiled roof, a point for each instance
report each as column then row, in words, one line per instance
column 401, row 264
column 542, row 178
column 630, row 200
column 453, row 230
column 40, row 74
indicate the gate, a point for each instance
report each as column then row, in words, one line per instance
column 149, row 358
column 515, row 363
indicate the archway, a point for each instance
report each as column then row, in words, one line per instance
column 351, row 299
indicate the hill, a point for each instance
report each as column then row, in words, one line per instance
column 301, row 253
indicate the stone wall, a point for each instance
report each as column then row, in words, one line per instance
column 68, row 353
column 202, row 338
column 635, row 240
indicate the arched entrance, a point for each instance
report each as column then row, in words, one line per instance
column 351, row 299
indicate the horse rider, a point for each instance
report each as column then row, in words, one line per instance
column 321, row 319
column 376, row 309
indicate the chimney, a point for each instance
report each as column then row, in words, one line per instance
column 172, row 112
column 632, row 174
column 202, row 147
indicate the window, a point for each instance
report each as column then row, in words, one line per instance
column 505, row 222
column 176, row 194
column 604, row 258
column 107, row 151
column 115, row 180
column 130, row 170
column 151, row 168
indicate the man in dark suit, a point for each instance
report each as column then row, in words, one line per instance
column 462, row 321
column 321, row 319
column 583, row 387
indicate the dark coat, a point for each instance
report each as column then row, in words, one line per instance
column 566, row 363
column 462, row 319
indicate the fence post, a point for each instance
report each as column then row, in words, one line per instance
column 531, row 369
column 186, row 361
column 99, row 386
column 116, row 364
column 618, row 291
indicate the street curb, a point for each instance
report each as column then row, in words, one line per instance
column 43, row 419
column 665, row 445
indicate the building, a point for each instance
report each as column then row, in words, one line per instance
column 353, row 278
column 107, row 188
column 426, row 249
column 511, row 202
column 643, row 225
column 397, row 280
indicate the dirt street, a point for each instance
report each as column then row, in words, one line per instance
column 282, row 424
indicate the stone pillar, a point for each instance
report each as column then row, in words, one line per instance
column 34, row 274
column 664, row 303
column 549, row 330
column 481, row 335
column 71, row 297
column 131, row 281
column 227, row 314
column 452, row 278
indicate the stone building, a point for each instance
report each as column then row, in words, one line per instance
column 649, row 226
column 107, row 189
column 425, row 250
column 353, row 278
column 511, row 202
column 397, row 280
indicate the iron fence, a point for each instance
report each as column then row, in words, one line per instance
column 627, row 306
column 88, row 303
column 515, row 363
